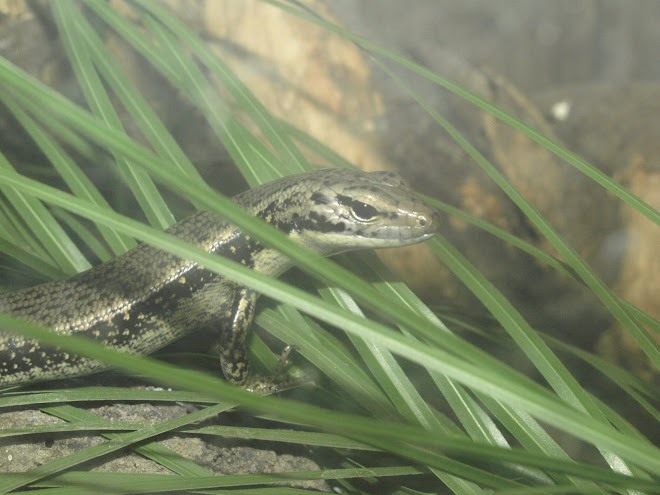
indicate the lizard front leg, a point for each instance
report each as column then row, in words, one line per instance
column 234, row 357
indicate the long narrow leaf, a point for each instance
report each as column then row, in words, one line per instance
column 290, row 156
column 67, row 16
column 46, row 229
column 74, row 178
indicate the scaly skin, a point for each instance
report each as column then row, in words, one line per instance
column 147, row 298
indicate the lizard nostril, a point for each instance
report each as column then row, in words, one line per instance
column 422, row 222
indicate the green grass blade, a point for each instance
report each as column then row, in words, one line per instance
column 286, row 150
column 240, row 143
column 472, row 416
column 157, row 453
column 74, row 178
column 280, row 435
column 28, row 259
column 174, row 62
column 67, row 17
column 391, row 377
column 387, row 371
column 84, row 234
column 17, row 480
column 145, row 118
column 325, row 352
column 533, row 437
column 50, row 234
column 96, row 394
column 530, row 343
column 150, row 483
column 407, row 400
column 628, row 382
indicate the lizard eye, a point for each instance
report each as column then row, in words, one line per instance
column 363, row 212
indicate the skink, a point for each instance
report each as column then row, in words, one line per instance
column 147, row 298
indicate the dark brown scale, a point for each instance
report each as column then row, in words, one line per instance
column 147, row 298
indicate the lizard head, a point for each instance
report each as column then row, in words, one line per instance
column 335, row 210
